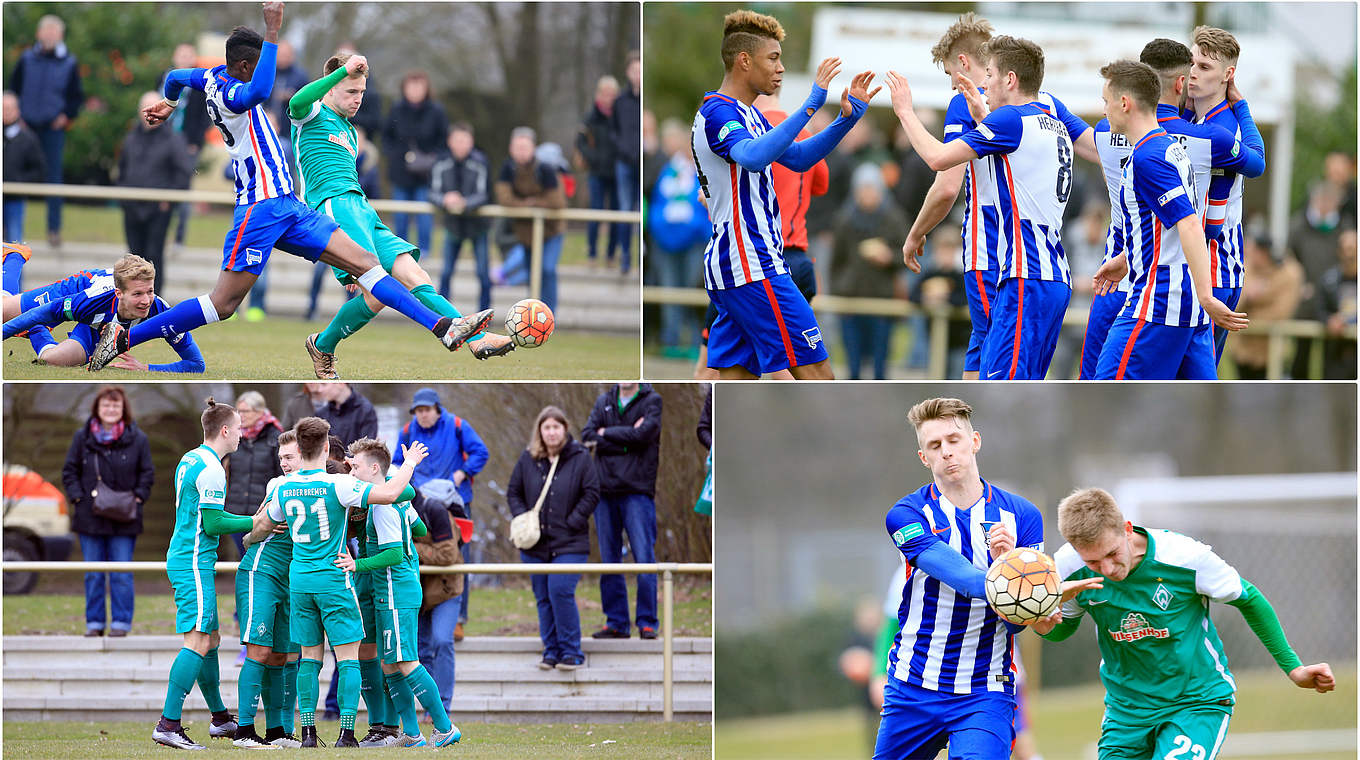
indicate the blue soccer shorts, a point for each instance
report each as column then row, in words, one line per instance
column 1229, row 296
column 980, row 285
column 1026, row 321
column 1138, row 350
column 284, row 223
column 763, row 327
column 30, row 299
column 917, row 723
column 1103, row 311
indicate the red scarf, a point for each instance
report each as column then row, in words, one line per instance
column 266, row 419
column 106, row 435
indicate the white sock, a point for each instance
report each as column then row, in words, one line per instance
column 209, row 310
column 371, row 277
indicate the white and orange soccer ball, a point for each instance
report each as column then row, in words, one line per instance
column 530, row 323
column 1023, row 586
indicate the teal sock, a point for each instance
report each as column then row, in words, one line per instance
column 404, row 702
column 273, row 696
column 183, row 673
column 424, row 689
column 440, row 305
column 371, row 688
column 347, row 693
column 290, row 694
column 210, row 682
column 309, row 674
column 385, row 696
column 248, row 690
column 351, row 317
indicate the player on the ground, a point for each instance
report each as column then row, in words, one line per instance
column 950, row 678
column 91, row 298
column 1211, row 93
column 1210, row 148
column 1168, row 690
column 395, row 571
column 1028, row 143
column 764, row 324
column 315, row 506
column 326, row 146
column 262, row 606
column 268, row 215
column 1162, row 331
column 200, row 517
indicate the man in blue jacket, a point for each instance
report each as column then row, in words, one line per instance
column 457, row 453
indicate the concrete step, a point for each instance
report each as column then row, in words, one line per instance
column 587, row 299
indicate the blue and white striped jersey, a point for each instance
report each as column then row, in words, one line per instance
column 1030, row 151
column 948, row 642
column 1158, row 190
column 1225, row 248
column 1114, row 149
column 258, row 161
column 747, row 243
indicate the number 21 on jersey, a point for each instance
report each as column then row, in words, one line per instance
column 297, row 514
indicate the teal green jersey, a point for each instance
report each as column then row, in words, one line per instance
column 327, row 149
column 1160, row 651
column 398, row 586
column 313, row 504
column 200, row 483
column 274, row 554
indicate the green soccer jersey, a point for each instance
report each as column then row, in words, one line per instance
column 1160, row 652
column 313, row 504
column 327, row 149
column 200, row 483
column 274, row 554
column 398, row 586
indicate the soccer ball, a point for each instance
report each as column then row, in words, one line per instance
column 1023, row 586
column 529, row 323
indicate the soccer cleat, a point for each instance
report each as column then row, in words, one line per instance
column 113, row 340
column 323, row 363
column 448, row 737
column 310, row 739
column 457, row 331
column 486, row 351
column 346, row 738
column 407, row 741
column 377, row 737
column 226, row 728
column 246, row 738
column 177, row 738
column 287, row 740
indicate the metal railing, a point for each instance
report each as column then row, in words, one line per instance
column 666, row 570
column 1278, row 333
column 222, row 198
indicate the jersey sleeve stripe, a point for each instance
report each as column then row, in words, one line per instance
column 231, row 262
column 779, row 320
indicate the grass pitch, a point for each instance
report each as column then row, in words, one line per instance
column 484, row 741
column 387, row 349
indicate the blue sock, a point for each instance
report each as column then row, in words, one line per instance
column 175, row 321
column 13, row 266
column 391, row 293
column 40, row 337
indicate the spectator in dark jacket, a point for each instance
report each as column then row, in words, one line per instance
column 351, row 415
column 565, row 529
column 705, row 429
column 47, row 81
column 414, row 138
column 1337, row 303
column 627, row 124
column 596, row 153
column 152, row 156
column 461, row 184
column 625, row 428
column 255, row 461
column 525, row 181
column 108, row 451
column 307, row 402
column 189, row 119
column 24, row 162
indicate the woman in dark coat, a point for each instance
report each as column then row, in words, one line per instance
column 110, row 448
column 565, row 535
column 255, row 461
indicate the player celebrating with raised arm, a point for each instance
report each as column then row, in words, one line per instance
column 950, row 677
column 1168, row 690
column 1030, row 149
column 764, row 323
column 1163, row 330
column 190, row 562
column 268, row 214
column 90, row 298
column 391, row 560
column 1211, row 148
column 326, row 146
column 315, row 505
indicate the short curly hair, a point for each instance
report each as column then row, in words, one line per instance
column 967, row 36
column 743, row 32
